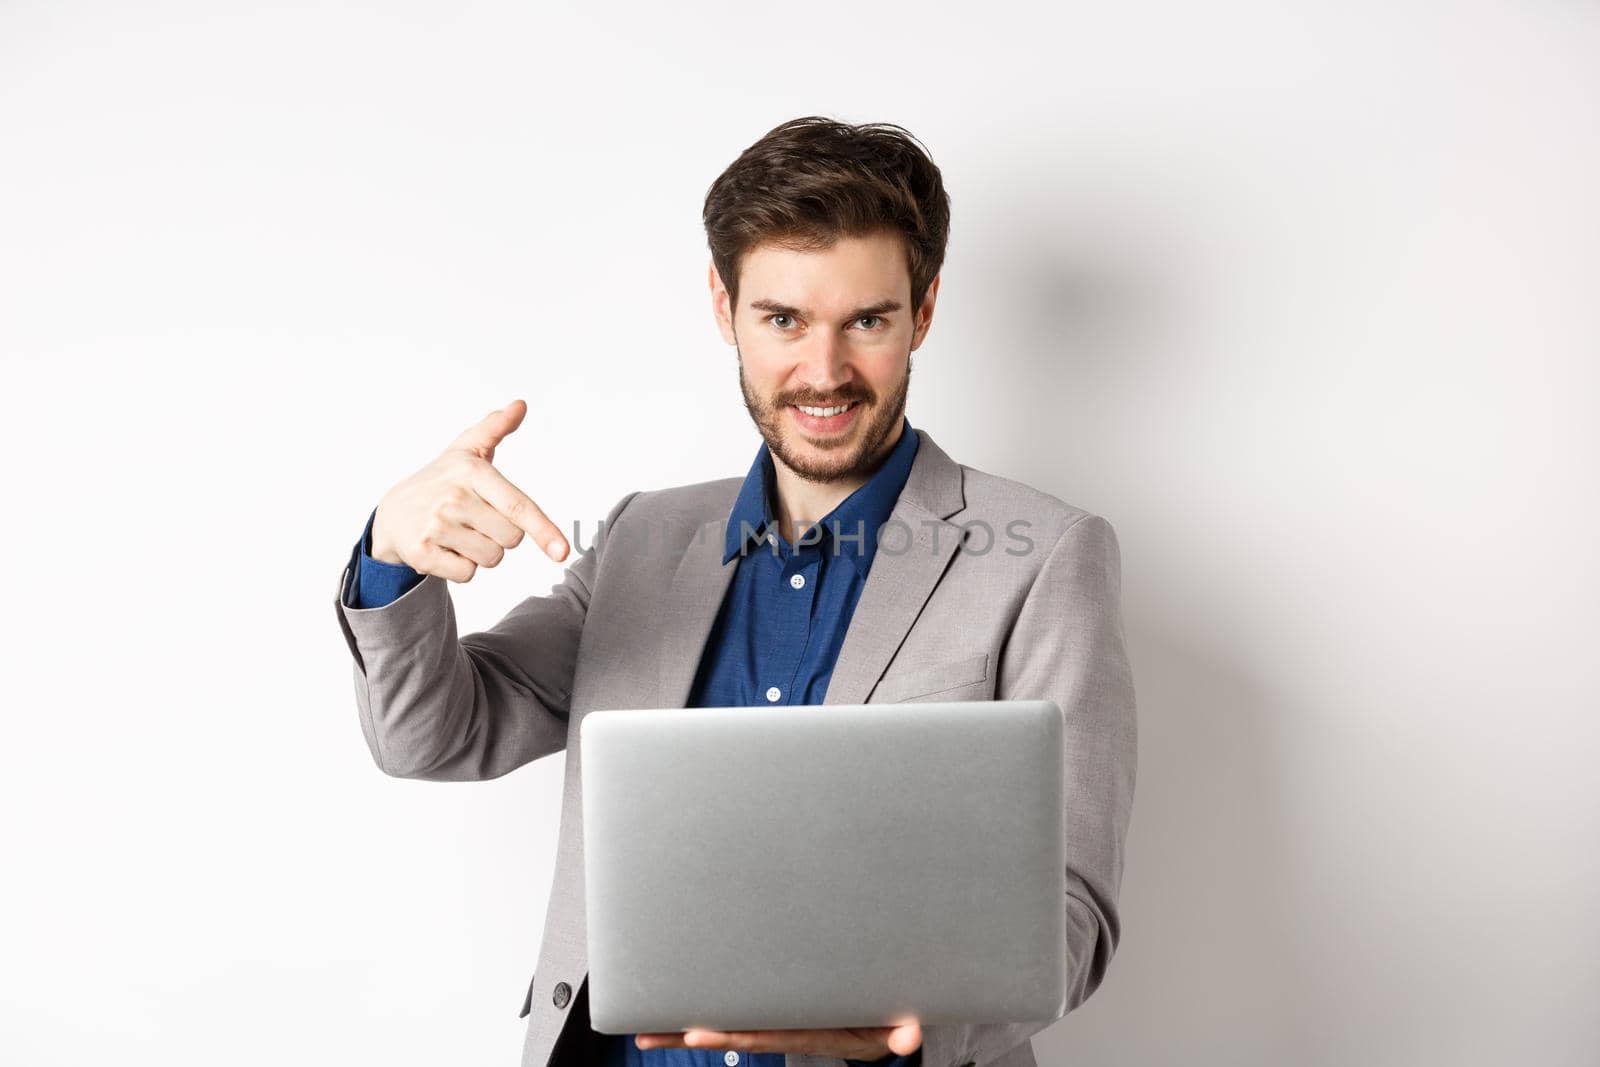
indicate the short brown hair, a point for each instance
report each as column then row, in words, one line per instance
column 813, row 180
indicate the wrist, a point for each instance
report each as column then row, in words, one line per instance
column 381, row 552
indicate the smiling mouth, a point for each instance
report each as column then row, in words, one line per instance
column 825, row 419
column 825, row 412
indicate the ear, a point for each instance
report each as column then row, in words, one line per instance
column 925, row 312
column 721, row 303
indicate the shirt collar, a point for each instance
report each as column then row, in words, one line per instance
column 862, row 511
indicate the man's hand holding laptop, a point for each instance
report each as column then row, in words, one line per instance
column 868, row 1043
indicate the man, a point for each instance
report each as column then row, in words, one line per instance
column 855, row 562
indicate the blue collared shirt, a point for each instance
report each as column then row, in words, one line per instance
column 784, row 617
column 775, row 639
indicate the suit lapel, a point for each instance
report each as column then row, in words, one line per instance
column 698, row 586
column 915, row 548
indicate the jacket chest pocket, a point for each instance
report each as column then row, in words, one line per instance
column 933, row 681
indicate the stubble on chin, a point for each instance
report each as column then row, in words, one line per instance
column 844, row 461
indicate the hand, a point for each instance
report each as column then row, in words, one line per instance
column 870, row 1043
column 458, row 513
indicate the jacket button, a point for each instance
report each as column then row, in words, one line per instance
column 563, row 994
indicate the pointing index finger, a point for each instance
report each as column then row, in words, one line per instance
column 498, row 492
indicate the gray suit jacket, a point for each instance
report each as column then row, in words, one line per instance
column 937, row 620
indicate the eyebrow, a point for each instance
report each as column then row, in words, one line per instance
column 882, row 307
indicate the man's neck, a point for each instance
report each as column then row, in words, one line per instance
column 801, row 501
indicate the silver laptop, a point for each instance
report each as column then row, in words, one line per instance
column 824, row 866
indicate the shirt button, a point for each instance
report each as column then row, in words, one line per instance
column 772, row 538
column 797, row 581
column 773, row 693
column 730, row 1058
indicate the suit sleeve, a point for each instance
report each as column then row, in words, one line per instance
column 443, row 708
column 1068, row 645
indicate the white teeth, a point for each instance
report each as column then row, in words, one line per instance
column 823, row 413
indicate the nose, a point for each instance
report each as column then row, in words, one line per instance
column 824, row 367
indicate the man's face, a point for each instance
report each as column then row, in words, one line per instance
column 825, row 330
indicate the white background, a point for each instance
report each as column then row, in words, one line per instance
column 1301, row 297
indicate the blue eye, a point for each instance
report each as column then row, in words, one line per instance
column 864, row 318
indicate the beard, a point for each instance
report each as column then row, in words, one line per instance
column 856, row 456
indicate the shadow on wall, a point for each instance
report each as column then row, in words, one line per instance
column 1101, row 313
column 1209, row 957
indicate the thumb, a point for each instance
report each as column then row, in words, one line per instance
column 904, row 1040
column 482, row 437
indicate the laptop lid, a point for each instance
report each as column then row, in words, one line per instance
column 824, row 866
